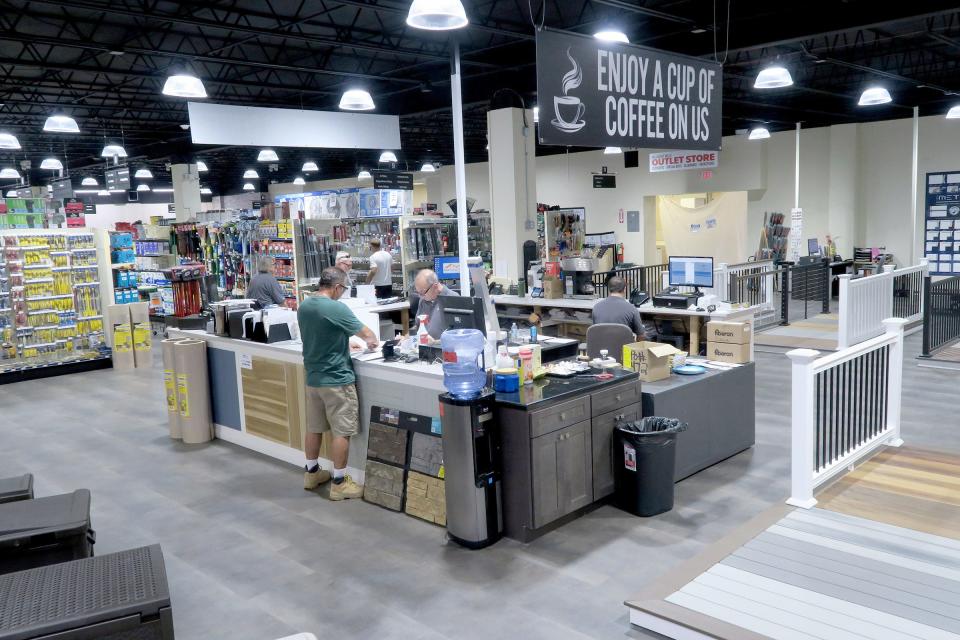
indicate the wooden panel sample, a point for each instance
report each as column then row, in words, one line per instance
column 265, row 402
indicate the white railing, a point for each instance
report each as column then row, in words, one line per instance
column 722, row 276
column 865, row 302
column 844, row 407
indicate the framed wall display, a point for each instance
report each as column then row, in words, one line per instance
column 942, row 223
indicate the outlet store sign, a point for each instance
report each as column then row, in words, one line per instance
column 683, row 160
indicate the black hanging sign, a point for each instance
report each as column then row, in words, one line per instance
column 604, row 181
column 593, row 93
column 392, row 180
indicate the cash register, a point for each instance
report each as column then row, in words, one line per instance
column 685, row 271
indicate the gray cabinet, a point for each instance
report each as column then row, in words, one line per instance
column 562, row 473
column 603, row 447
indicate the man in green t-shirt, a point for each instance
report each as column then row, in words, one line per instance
column 325, row 328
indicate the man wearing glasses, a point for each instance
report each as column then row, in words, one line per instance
column 345, row 263
column 429, row 290
column 331, row 394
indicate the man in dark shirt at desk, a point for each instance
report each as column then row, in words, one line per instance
column 616, row 309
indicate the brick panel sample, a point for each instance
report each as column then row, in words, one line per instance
column 387, row 443
column 383, row 485
column 426, row 498
column 426, row 454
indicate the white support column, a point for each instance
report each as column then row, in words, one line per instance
column 460, row 172
column 186, row 191
column 843, row 313
column 802, row 428
column 913, row 182
column 721, row 286
column 895, row 327
column 796, row 172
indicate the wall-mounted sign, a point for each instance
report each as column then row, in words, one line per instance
column 62, row 188
column 117, row 178
column 72, row 207
column 171, row 208
column 392, row 180
column 942, row 223
column 594, row 93
column 89, row 209
column 604, row 181
column 683, row 160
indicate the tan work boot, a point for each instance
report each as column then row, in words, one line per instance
column 346, row 489
column 315, row 479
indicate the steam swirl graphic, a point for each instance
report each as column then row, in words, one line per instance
column 572, row 78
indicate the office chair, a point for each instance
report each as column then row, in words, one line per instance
column 609, row 336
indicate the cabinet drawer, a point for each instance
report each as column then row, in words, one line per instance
column 619, row 396
column 559, row 416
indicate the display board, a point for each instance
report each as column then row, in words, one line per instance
column 942, row 223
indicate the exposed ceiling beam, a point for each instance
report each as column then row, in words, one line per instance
column 652, row 13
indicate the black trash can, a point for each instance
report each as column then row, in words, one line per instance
column 644, row 464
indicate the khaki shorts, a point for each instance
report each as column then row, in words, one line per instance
column 333, row 409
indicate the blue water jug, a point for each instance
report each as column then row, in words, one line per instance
column 463, row 376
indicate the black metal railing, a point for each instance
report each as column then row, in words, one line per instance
column 750, row 286
column 908, row 294
column 646, row 279
column 850, row 405
column 941, row 313
column 804, row 289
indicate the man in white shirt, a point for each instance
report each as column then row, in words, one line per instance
column 381, row 270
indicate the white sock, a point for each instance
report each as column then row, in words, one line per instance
column 339, row 473
column 311, row 464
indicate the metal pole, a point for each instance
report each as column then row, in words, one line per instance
column 459, row 171
column 913, row 182
column 796, row 172
column 927, row 319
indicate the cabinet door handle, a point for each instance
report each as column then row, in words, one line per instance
column 563, row 416
column 618, row 397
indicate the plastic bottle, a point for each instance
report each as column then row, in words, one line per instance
column 514, row 333
column 526, row 365
column 462, row 375
column 422, row 336
column 504, row 361
column 533, row 334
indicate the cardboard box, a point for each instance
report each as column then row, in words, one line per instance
column 552, row 288
column 727, row 352
column 729, row 332
column 650, row 359
column 123, row 347
column 139, row 312
column 142, row 345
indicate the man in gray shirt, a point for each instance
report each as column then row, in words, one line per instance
column 264, row 287
column 616, row 309
column 429, row 290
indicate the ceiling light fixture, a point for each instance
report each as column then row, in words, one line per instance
column 143, row 174
column 356, row 100
column 160, row 189
column 267, row 155
column 51, row 164
column 364, row 175
column 759, row 133
column 113, row 151
column 773, row 77
column 954, row 113
column 299, row 181
column 247, row 186
column 536, row 114
column 437, row 15
column 428, row 168
column 9, row 141
column 9, row 172
column 388, row 156
column 201, row 165
column 874, row 95
column 609, row 151
column 612, row 36
column 698, row 30
column 103, row 193
column 250, row 174
column 88, row 182
column 205, row 191
column 12, row 193
column 184, row 86
column 61, row 124
column 143, row 187
column 309, row 167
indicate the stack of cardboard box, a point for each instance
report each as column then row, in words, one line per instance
column 729, row 341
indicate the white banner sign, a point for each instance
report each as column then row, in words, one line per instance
column 683, row 160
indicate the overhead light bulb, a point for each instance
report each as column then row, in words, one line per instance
column 299, row 181
column 309, row 167
column 250, row 174
column 267, row 155
column 247, row 186
column 428, row 168
column 103, row 193
column 205, row 191
column 437, row 15
column 52, row 164
column 9, row 141
column 954, row 113
column 356, row 100
column 536, row 114
column 612, row 36
column 874, row 95
column 143, row 187
column 12, row 193
column 143, row 174
column 61, row 124
column 88, row 182
column 9, row 172
column 113, row 151
column 609, row 151
column 759, row 133
column 388, row 156
column 201, row 165
column 773, row 78
column 364, row 175
column 184, row 86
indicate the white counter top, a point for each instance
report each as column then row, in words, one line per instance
column 558, row 303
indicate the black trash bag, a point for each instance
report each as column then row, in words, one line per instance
column 644, row 464
column 653, row 424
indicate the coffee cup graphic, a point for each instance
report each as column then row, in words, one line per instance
column 569, row 109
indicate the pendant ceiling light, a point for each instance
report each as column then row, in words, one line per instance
column 201, row 165
column 88, row 182
column 428, row 168
column 299, row 181
column 143, row 174
column 9, row 141
column 954, row 113
column 184, row 86
column 364, row 175
column 759, row 133
column 250, row 174
column 9, row 172
column 103, row 193
column 143, row 187
column 773, row 78
column 612, row 36
column 309, row 167
column 267, row 155
column 356, row 100
column 51, row 164
column 12, row 193
column 247, row 187
column 437, row 15
column 874, row 95
column 61, row 124
column 608, row 151
column 205, row 191
column 388, row 156
column 113, row 151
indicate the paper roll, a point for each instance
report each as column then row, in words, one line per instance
column 170, row 386
column 193, row 390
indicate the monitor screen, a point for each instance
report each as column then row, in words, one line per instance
column 447, row 267
column 460, row 312
column 686, row 271
column 813, row 247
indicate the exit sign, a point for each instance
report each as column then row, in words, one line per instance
column 706, row 175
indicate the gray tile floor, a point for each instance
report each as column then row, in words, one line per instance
column 251, row 556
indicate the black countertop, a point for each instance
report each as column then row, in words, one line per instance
column 676, row 381
column 549, row 389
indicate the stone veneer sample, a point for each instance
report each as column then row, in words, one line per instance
column 383, row 485
column 387, row 443
column 426, row 454
column 426, row 498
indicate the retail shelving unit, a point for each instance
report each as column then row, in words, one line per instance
column 425, row 238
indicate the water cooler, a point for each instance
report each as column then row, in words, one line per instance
column 471, row 459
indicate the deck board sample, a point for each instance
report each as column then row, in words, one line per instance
column 426, row 454
column 384, row 485
column 387, row 443
column 426, row 498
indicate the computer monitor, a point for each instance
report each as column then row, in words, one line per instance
column 447, row 267
column 813, row 247
column 460, row 312
column 690, row 271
